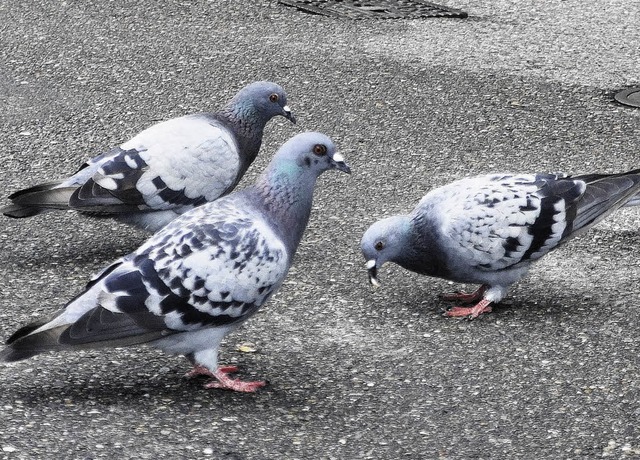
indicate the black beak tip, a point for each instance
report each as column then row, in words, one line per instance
column 373, row 277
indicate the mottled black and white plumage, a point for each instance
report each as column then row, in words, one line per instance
column 200, row 276
column 488, row 230
column 167, row 169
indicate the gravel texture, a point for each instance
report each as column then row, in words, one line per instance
column 353, row 374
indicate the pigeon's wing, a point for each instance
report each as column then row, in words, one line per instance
column 180, row 162
column 497, row 222
column 89, row 168
column 210, row 269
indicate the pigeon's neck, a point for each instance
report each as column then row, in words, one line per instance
column 401, row 239
column 286, row 192
column 248, row 125
column 422, row 251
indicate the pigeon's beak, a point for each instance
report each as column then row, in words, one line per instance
column 373, row 273
column 288, row 114
column 338, row 162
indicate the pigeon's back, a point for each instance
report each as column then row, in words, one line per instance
column 168, row 168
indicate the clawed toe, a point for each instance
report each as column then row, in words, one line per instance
column 469, row 312
column 222, row 379
column 236, row 385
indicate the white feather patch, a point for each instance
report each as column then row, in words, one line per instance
column 188, row 153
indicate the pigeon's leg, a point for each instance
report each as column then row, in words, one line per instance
column 227, row 383
column 465, row 297
column 471, row 312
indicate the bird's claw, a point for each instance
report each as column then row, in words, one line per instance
column 236, row 385
column 469, row 312
column 222, row 379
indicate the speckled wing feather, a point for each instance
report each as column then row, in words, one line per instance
column 215, row 268
column 169, row 165
column 496, row 222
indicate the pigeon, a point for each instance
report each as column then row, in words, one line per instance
column 488, row 230
column 167, row 169
column 199, row 277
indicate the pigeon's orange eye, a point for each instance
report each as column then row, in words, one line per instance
column 379, row 246
column 320, row 149
column 273, row 97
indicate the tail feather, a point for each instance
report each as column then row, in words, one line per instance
column 56, row 198
column 38, row 199
column 634, row 200
column 18, row 211
column 29, row 345
column 46, row 186
column 604, row 195
column 24, row 343
column 24, row 331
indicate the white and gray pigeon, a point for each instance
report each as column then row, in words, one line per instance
column 167, row 169
column 199, row 277
column 488, row 230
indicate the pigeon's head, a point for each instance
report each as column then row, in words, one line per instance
column 266, row 99
column 313, row 152
column 384, row 242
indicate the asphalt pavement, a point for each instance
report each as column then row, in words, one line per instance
column 353, row 374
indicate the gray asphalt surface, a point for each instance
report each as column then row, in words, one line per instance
column 353, row 374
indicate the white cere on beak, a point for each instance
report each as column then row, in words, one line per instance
column 370, row 264
column 286, row 108
column 339, row 159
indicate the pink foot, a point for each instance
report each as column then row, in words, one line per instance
column 227, row 383
column 470, row 312
column 223, row 380
column 465, row 297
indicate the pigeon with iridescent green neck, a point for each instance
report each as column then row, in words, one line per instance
column 199, row 277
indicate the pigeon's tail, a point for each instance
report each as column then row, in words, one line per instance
column 42, row 337
column 40, row 198
column 24, row 343
column 634, row 201
column 605, row 194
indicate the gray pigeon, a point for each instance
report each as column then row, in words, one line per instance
column 167, row 169
column 199, row 277
column 488, row 230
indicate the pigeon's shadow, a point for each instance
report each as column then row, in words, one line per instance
column 427, row 302
column 115, row 377
column 74, row 248
column 137, row 390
